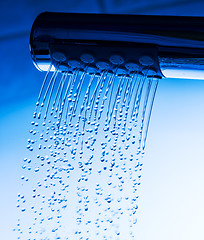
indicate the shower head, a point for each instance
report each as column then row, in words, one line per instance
column 166, row 46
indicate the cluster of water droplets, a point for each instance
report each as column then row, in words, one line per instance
column 86, row 145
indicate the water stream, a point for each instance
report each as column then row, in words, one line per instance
column 87, row 139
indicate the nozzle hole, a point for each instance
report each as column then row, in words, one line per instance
column 146, row 61
column 116, row 60
column 59, row 56
column 102, row 65
column 74, row 64
column 87, row 58
column 132, row 67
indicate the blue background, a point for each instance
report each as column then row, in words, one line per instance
column 172, row 193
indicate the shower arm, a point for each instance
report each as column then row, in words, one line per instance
column 175, row 43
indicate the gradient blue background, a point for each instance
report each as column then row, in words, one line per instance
column 172, row 193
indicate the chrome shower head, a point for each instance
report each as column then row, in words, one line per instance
column 168, row 46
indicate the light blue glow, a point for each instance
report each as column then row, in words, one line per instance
column 171, row 195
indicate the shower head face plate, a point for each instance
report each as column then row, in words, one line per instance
column 106, row 56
